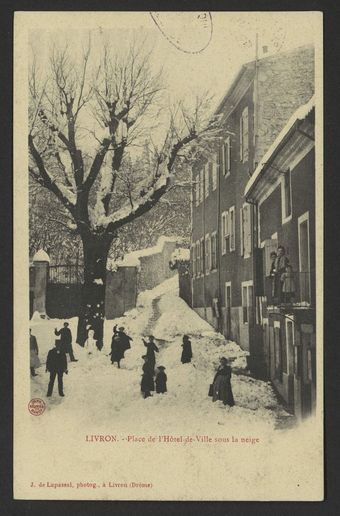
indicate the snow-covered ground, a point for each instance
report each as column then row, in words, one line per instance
column 101, row 399
column 97, row 393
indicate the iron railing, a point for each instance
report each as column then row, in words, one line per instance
column 294, row 288
column 66, row 274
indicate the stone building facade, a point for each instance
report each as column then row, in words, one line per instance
column 263, row 96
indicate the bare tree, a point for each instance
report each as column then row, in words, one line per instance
column 83, row 121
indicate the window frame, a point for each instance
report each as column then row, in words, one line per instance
column 226, row 157
column 248, row 306
column 207, row 253
column 286, row 217
column 213, row 246
column 232, row 229
column 244, row 135
column 225, row 234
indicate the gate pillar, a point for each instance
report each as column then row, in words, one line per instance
column 41, row 262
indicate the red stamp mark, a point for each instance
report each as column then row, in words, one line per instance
column 36, row 406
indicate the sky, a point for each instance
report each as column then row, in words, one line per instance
column 197, row 51
column 232, row 40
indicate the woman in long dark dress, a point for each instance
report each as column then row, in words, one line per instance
column 187, row 351
column 147, row 384
column 150, row 351
column 221, row 384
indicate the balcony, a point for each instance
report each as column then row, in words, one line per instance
column 296, row 289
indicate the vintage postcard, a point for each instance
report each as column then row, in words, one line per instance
column 168, row 190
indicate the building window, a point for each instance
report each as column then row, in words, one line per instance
column 226, row 161
column 193, row 260
column 289, row 343
column 297, row 361
column 214, row 250
column 278, row 351
column 198, row 258
column 286, row 196
column 198, row 189
column 309, row 365
column 247, row 301
column 207, row 253
column 202, row 256
column 225, row 232
column 213, row 166
column 244, row 136
column 245, row 231
column 232, row 228
column 206, row 180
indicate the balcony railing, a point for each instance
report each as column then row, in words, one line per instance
column 294, row 288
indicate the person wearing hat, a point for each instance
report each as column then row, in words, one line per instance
column 147, row 384
column 150, row 350
column 187, row 351
column 119, row 344
column 160, row 380
column 56, row 365
column 66, row 340
column 221, row 384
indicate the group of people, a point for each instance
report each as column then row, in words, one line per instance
column 281, row 273
column 153, row 378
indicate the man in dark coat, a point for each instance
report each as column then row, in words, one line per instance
column 56, row 365
column 124, row 338
column 66, row 340
column 34, row 352
column 147, row 384
column 187, row 351
column 150, row 353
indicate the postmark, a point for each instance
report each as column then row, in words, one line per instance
column 36, row 406
column 187, row 31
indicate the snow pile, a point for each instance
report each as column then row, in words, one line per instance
column 97, row 393
column 180, row 255
column 133, row 259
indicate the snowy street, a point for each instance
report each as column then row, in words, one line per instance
column 98, row 394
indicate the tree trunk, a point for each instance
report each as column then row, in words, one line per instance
column 92, row 310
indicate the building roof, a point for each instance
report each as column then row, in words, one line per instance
column 299, row 116
column 247, row 73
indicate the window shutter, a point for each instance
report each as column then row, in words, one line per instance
column 241, row 233
column 247, row 230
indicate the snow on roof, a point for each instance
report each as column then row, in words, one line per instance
column 41, row 256
column 133, row 259
column 300, row 114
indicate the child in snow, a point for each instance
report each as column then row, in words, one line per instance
column 161, row 379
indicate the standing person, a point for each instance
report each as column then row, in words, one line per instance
column 124, row 338
column 34, row 354
column 117, row 352
column 56, row 365
column 150, row 350
column 272, row 272
column 281, row 263
column 161, row 380
column 66, row 340
column 187, row 351
column 288, row 285
column 147, row 384
column 221, row 384
column 90, row 344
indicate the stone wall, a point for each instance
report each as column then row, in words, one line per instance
column 285, row 82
